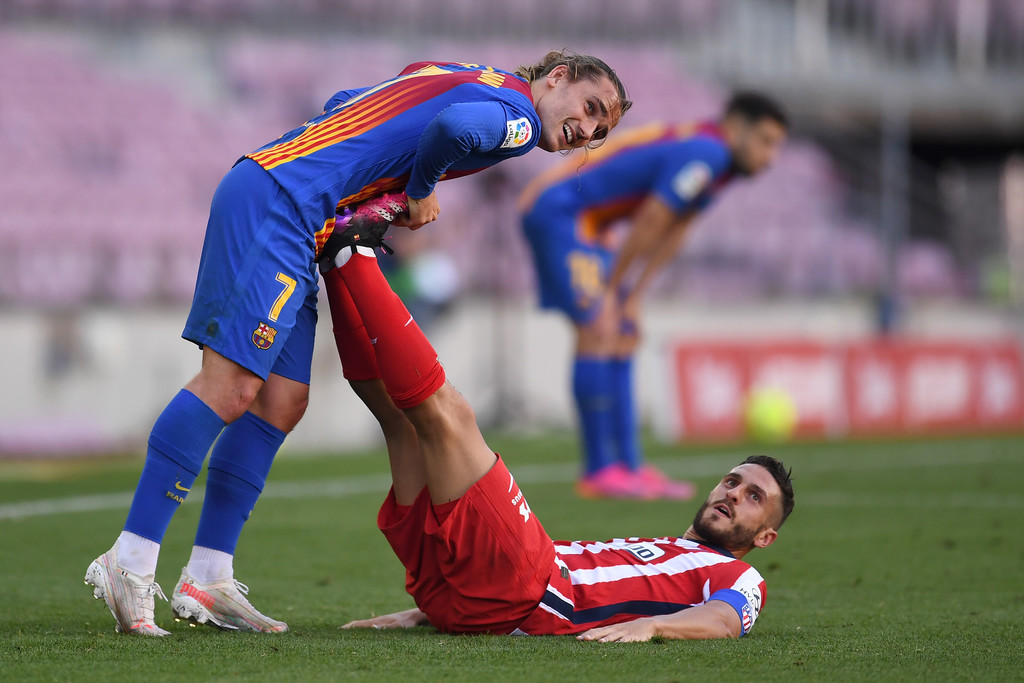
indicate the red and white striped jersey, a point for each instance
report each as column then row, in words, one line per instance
column 601, row 583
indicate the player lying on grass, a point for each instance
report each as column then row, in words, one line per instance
column 658, row 178
column 477, row 558
column 254, row 311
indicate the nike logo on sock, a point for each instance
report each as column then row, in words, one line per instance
column 178, row 486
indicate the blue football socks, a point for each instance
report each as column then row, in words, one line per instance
column 592, row 389
column 625, row 430
column 238, row 470
column 178, row 444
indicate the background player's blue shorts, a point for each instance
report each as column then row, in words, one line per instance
column 572, row 274
column 255, row 300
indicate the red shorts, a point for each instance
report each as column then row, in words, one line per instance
column 479, row 564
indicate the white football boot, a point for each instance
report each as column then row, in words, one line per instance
column 220, row 603
column 129, row 597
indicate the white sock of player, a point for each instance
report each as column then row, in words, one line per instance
column 136, row 554
column 207, row 565
column 348, row 252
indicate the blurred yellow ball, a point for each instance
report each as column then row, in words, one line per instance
column 770, row 415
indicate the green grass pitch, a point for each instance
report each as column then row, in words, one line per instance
column 902, row 561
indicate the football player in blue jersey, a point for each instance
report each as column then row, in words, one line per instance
column 254, row 309
column 658, row 179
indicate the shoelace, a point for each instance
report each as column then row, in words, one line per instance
column 244, row 590
column 147, row 593
column 150, row 590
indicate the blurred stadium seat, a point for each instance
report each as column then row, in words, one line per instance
column 122, row 166
column 119, row 117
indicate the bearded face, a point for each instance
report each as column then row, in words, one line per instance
column 756, row 145
column 716, row 523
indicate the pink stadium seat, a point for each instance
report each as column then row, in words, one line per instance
column 179, row 275
column 928, row 269
column 861, row 260
column 906, row 18
column 1009, row 15
column 136, row 190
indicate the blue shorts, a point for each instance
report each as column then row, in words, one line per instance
column 255, row 300
column 572, row 274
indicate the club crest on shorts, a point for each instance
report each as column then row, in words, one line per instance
column 263, row 336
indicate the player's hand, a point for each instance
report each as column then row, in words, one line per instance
column 606, row 322
column 421, row 212
column 406, row 619
column 629, row 325
column 635, row 631
column 631, row 310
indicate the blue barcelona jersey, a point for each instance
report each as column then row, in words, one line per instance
column 684, row 165
column 568, row 210
column 432, row 122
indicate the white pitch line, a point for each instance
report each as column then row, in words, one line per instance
column 845, row 499
column 329, row 488
column 40, row 508
column 905, row 456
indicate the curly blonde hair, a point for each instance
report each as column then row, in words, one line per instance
column 580, row 66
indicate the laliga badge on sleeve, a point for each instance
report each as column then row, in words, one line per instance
column 691, row 180
column 519, row 133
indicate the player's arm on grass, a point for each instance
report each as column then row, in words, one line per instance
column 454, row 133
column 713, row 619
column 406, row 619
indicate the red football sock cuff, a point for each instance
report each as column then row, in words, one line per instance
column 358, row 361
column 408, row 363
column 420, row 391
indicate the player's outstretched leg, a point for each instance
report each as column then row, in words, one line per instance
column 359, row 365
column 454, row 453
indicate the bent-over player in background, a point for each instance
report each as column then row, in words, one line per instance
column 658, row 178
column 254, row 310
column 477, row 558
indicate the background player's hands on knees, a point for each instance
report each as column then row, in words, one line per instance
column 421, row 212
column 635, row 631
column 606, row 322
column 629, row 326
column 406, row 619
column 631, row 310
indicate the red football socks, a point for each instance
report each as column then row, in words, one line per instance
column 358, row 361
column 406, row 361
